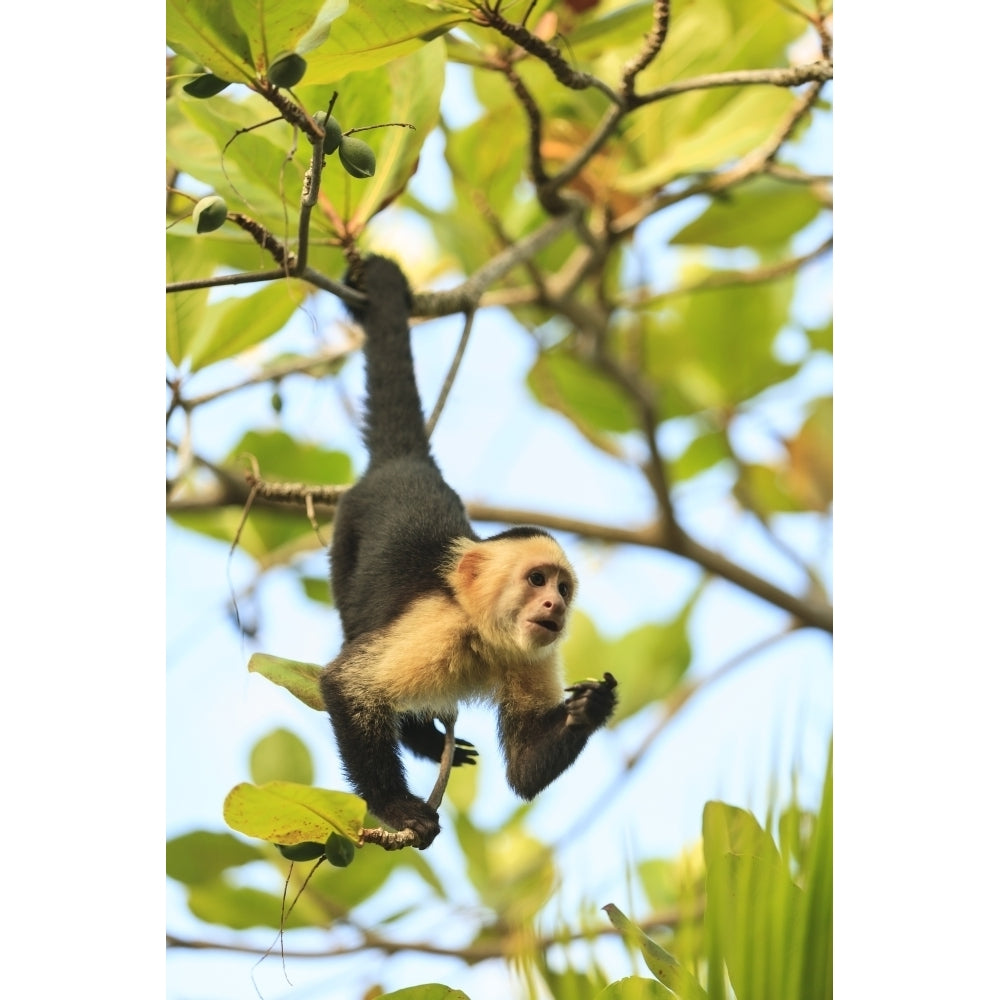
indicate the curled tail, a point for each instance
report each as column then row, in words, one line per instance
column 394, row 421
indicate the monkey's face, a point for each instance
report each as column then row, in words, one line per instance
column 546, row 592
column 517, row 591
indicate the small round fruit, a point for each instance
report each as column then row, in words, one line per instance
column 306, row 851
column 209, row 213
column 287, row 70
column 206, row 85
column 357, row 157
column 339, row 850
column 334, row 133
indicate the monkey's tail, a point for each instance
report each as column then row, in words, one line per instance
column 394, row 420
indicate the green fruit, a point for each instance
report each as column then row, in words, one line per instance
column 306, row 851
column 209, row 213
column 357, row 157
column 287, row 70
column 206, row 85
column 334, row 133
column 339, row 851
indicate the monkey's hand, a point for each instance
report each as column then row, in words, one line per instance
column 465, row 753
column 590, row 703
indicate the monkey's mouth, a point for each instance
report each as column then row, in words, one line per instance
column 549, row 624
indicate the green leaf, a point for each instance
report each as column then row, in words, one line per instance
column 428, row 991
column 301, row 679
column 821, row 338
column 277, row 27
column 316, row 588
column 704, row 452
column 282, row 457
column 284, row 812
column 187, row 259
column 761, row 213
column 233, row 325
column 281, row 755
column 242, row 908
column 635, row 988
column 715, row 349
column 202, row 856
column 272, row 538
column 658, row 960
column 753, row 907
column 209, row 33
column 513, row 872
column 815, row 947
column 557, row 379
column 377, row 32
column 726, row 134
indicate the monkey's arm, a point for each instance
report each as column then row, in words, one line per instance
column 540, row 745
column 426, row 740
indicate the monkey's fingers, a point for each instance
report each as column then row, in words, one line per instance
column 581, row 687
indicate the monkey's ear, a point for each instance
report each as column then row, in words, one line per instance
column 470, row 567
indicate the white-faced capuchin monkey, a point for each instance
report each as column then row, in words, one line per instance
column 432, row 614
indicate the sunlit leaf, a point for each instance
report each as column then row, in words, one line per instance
column 233, row 325
column 814, row 948
column 281, row 755
column 636, row 988
column 316, row 588
column 592, row 398
column 658, row 960
column 186, row 260
column 428, row 991
column 241, row 908
column 236, row 39
column 512, row 870
column 276, row 27
column 301, row 679
column 202, row 855
column 272, row 538
column 282, row 457
column 753, row 906
column 762, row 213
column 285, row 812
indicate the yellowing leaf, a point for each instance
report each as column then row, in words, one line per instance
column 284, row 812
column 301, row 679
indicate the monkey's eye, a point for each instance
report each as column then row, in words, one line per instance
column 536, row 578
column 564, row 590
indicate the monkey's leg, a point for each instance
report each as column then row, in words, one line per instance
column 368, row 739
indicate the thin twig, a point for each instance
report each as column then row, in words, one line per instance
column 655, row 38
column 449, row 379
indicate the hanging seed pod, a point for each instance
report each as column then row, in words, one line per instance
column 339, row 851
column 287, row 70
column 334, row 133
column 357, row 157
column 209, row 214
column 206, row 85
column 306, row 851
